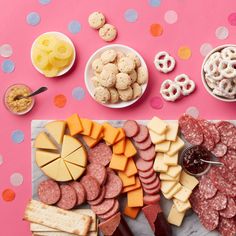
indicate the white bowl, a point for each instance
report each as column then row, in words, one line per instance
column 60, row 36
column 209, row 90
column 88, row 73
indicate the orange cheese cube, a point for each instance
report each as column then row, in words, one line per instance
column 130, row 150
column 110, row 133
column 131, row 212
column 74, row 124
column 127, row 181
column 118, row 162
column 135, row 198
column 119, row 147
column 91, row 142
column 96, row 130
column 87, row 126
column 131, row 168
column 121, row 135
column 132, row 187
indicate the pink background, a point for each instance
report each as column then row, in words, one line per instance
column 197, row 23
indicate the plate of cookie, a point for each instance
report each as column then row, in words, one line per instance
column 116, row 76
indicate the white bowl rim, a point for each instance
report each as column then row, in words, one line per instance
column 63, row 36
column 218, row 48
column 121, row 104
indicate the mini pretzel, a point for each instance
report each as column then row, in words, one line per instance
column 170, row 90
column 187, row 86
column 164, row 62
column 211, row 83
column 228, row 68
column 221, row 93
column 229, row 53
column 228, row 87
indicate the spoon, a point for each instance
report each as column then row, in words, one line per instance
column 213, row 162
column 38, row 91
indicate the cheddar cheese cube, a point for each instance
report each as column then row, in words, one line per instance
column 91, row 142
column 135, row 198
column 121, row 135
column 119, row 147
column 118, row 162
column 96, row 130
column 132, row 187
column 87, row 126
column 131, row 212
column 74, row 124
column 127, row 181
column 130, row 150
column 131, row 168
column 110, row 133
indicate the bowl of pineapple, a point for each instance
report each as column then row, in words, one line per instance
column 53, row 54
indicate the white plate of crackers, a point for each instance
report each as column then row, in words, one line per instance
column 116, row 76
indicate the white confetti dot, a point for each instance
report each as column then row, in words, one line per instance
column 6, row 50
column 1, row 159
column 16, row 179
column 222, row 32
column 205, row 49
column 171, row 17
column 193, row 111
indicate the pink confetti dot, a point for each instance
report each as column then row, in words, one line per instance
column 156, row 103
column 232, row 18
column 171, row 17
column 193, row 111
column 222, row 32
column 16, row 179
column 205, row 49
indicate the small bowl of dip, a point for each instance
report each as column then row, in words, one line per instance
column 15, row 105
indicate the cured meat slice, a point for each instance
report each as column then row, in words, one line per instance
column 148, row 154
column 195, row 200
column 219, row 150
column 142, row 135
column 155, row 184
column 231, row 153
column 146, row 174
column 98, row 171
column 225, row 128
column 209, row 218
column 151, row 199
column 131, row 128
column 227, row 227
column 113, row 186
column 229, row 162
column 100, row 154
column 206, row 187
column 228, row 175
column 152, row 191
column 104, row 206
column 80, row 191
column 143, row 165
column 148, row 180
column 218, row 202
column 49, row 192
column 112, row 212
column 212, row 128
column 91, row 186
column 232, row 140
column 68, row 197
column 99, row 199
column 145, row 144
column 230, row 210
column 191, row 130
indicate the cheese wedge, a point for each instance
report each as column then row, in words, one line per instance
column 96, row 130
column 74, row 124
column 159, row 164
column 188, row 181
column 75, row 171
column 118, row 162
column 172, row 131
column 157, row 138
column 183, row 194
column 78, row 157
column 56, row 129
column 163, row 146
column 166, row 186
column 164, row 176
column 87, row 126
column 174, row 171
column 175, row 217
column 135, row 198
column 110, row 133
column 173, row 191
column 131, row 168
column 43, row 157
column 175, row 146
column 127, row 181
column 130, row 150
column 157, row 125
column 182, row 206
column 42, row 141
column 69, row 145
column 171, row 160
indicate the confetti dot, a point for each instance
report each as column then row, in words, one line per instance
column 171, row 17
column 184, row 53
column 205, row 49
column 16, row 179
column 154, row 3
column 156, row 103
column 44, row 2
column 193, row 111
column 33, row 18
column 78, row 93
column 6, row 50
column 156, row 30
column 8, row 66
column 232, row 18
column 60, row 100
column 74, row 27
column 8, row 195
column 17, row 136
column 131, row 15
column 222, row 32
column 1, row 159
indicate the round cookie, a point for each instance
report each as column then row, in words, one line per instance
column 133, row 76
column 97, row 65
column 112, row 68
column 142, row 75
column 126, row 95
column 108, row 76
column 126, row 65
column 108, row 32
column 102, row 94
column 120, row 54
column 137, row 90
column 96, row 81
column 114, row 95
column 123, row 81
column 136, row 59
column 108, row 56
column 96, row 20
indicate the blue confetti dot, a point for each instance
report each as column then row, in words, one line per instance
column 155, row 3
column 8, row 66
column 44, row 2
column 78, row 93
column 17, row 136
column 131, row 15
column 74, row 27
column 33, row 18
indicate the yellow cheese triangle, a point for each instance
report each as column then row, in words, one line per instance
column 69, row 145
column 63, row 173
column 51, row 169
column 78, row 157
column 43, row 157
column 56, row 129
column 43, row 141
column 75, row 171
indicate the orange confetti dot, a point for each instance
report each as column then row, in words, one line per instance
column 8, row 195
column 184, row 53
column 60, row 100
column 156, row 30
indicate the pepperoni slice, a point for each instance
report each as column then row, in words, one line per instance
column 218, row 202
column 131, row 128
column 155, row 184
column 227, row 227
column 209, row 219
column 146, row 174
column 143, row 165
column 148, row 180
column 145, row 144
column 148, row 154
column 142, row 134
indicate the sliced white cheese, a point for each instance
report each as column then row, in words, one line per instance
column 175, row 146
column 42, row 141
column 188, row 181
column 171, row 160
column 172, row 131
column 159, row 164
column 44, row 157
column 78, row 157
column 56, row 129
column 166, row 186
column 183, row 194
column 156, row 138
column 157, row 125
column 175, row 217
column 173, row 191
column 173, row 171
column 164, row 176
column 181, row 206
column 75, row 171
column 69, row 145
column 163, row 146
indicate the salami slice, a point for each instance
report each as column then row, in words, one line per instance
column 229, row 162
column 232, row 140
column 151, row 199
column 146, row 174
column 191, row 130
column 225, row 128
column 228, row 175
column 142, row 135
column 148, row 154
column 209, row 219
column 113, row 186
column 152, row 191
column 143, row 165
column 80, row 191
column 49, row 192
column 152, row 185
column 98, row 171
column 100, row 154
column 68, row 197
column 227, row 227
column 231, row 153
column 218, row 202
column 230, row 210
column 91, row 186
column 145, row 144
column 99, row 199
column 131, row 128
column 110, row 213
column 206, row 187
column 214, row 132
column 219, row 150
column 104, row 206
column 148, row 180
column 196, row 199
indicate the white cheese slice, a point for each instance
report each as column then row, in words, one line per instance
column 78, row 157
column 175, row 217
column 164, row 176
column 157, row 125
column 56, row 129
column 42, row 141
column 183, row 194
column 188, row 181
column 75, row 171
column 156, row 138
column 181, row 206
column 166, row 186
column 159, row 164
column 171, row 160
column 173, row 191
column 173, row 171
column 69, row 145
column 163, row 146
column 175, row 146
column 43, row 157
column 172, row 131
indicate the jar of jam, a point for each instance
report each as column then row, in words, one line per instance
column 191, row 160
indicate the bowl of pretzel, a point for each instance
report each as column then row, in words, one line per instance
column 219, row 73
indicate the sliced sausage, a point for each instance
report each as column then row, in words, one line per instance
column 98, row 171
column 131, row 128
column 99, row 199
column 146, row 174
column 142, row 135
column 143, row 165
column 148, row 154
column 110, row 213
column 151, row 199
column 80, row 191
column 104, row 206
column 113, row 186
column 148, row 180
column 91, row 186
column 145, row 144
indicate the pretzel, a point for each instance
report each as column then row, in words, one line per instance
column 229, row 53
column 228, row 87
column 164, row 62
column 170, row 90
column 228, row 68
column 221, row 93
column 211, row 83
column 187, row 86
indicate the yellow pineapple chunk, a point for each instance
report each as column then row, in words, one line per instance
column 40, row 58
column 46, row 42
column 50, row 71
column 63, row 50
